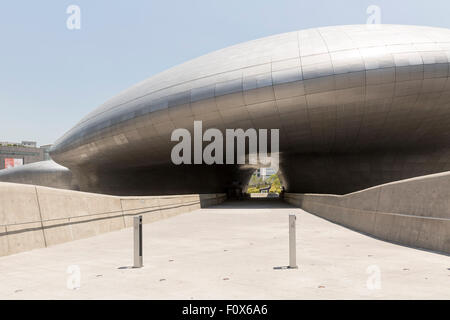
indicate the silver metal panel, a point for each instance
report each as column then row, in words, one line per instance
column 345, row 98
column 43, row 173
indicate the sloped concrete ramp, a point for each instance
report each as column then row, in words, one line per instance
column 35, row 217
column 229, row 252
column 413, row 212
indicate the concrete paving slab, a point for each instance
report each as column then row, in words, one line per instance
column 229, row 252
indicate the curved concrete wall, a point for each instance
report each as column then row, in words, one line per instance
column 36, row 217
column 357, row 106
column 413, row 212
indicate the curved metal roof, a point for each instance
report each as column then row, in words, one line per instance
column 328, row 89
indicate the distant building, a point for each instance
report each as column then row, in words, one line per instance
column 14, row 154
column 265, row 172
column 31, row 144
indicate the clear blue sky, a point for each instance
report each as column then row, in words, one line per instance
column 50, row 76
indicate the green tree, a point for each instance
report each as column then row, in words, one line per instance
column 256, row 183
column 275, row 183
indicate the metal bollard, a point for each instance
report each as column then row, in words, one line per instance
column 137, row 232
column 292, row 244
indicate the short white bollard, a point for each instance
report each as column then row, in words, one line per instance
column 292, row 244
column 137, row 232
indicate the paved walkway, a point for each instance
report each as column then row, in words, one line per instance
column 229, row 252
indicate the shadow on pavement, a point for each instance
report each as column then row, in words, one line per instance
column 253, row 203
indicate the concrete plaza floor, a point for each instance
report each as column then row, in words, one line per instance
column 229, row 252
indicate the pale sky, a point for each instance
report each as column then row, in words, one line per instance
column 50, row 76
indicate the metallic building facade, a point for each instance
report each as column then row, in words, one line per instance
column 43, row 173
column 356, row 106
column 26, row 152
